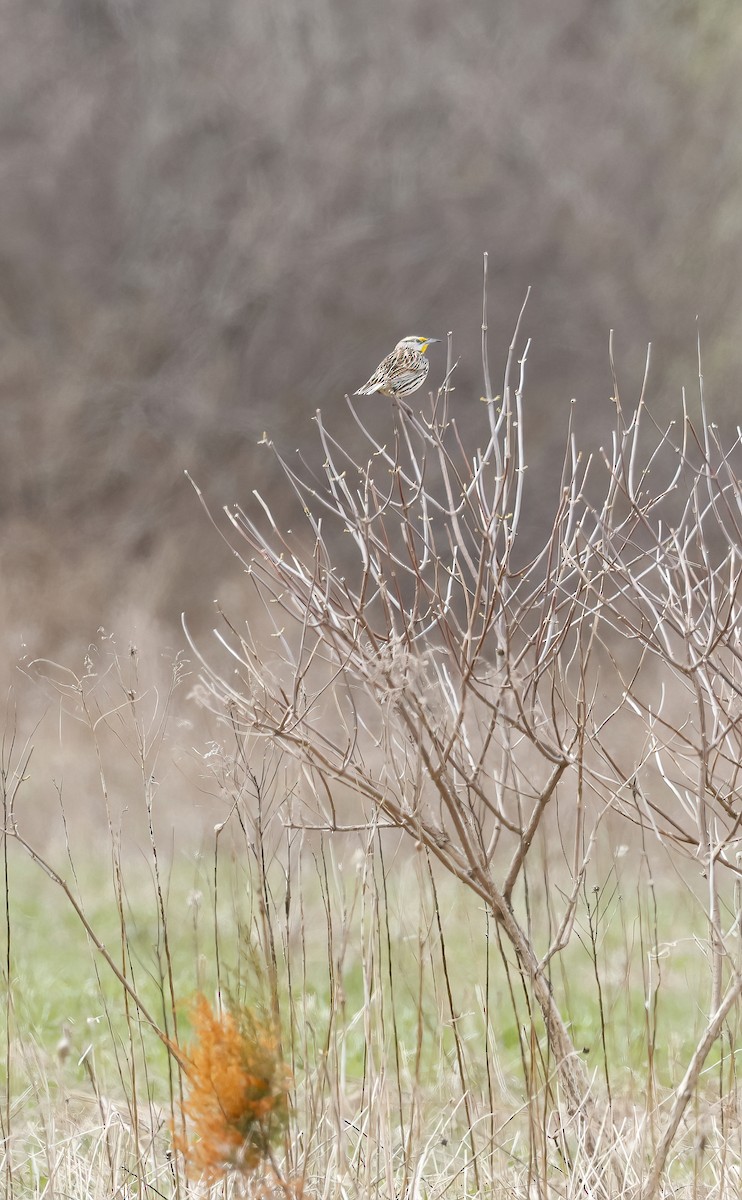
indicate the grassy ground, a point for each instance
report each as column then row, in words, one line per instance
column 406, row 1029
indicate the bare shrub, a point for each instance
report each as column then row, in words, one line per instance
column 464, row 691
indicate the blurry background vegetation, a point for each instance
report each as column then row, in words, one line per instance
column 217, row 215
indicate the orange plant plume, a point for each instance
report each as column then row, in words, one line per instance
column 237, row 1102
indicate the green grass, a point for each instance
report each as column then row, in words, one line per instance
column 58, row 977
column 366, row 972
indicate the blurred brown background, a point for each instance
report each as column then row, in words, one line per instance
column 217, row 215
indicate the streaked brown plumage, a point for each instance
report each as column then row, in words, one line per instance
column 401, row 372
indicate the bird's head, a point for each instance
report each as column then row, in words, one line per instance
column 416, row 343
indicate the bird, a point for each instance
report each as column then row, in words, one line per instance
column 401, row 372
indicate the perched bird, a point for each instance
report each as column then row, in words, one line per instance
column 401, row 372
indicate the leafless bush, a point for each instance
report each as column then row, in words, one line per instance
column 464, row 693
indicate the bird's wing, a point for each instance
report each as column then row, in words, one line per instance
column 400, row 375
column 407, row 366
column 398, row 368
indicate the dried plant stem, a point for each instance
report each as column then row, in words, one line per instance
column 110, row 962
column 686, row 1089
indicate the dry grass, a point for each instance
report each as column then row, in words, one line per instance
column 418, row 1061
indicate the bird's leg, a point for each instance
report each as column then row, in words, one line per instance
column 414, row 421
column 405, row 407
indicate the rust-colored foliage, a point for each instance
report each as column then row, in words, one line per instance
column 237, row 1092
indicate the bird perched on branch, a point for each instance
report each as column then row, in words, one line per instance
column 401, row 372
